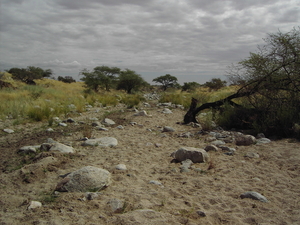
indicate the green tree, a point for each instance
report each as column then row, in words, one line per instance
column 29, row 73
column 270, row 86
column 102, row 76
column 190, row 86
column 166, row 81
column 129, row 80
column 215, row 84
column 66, row 79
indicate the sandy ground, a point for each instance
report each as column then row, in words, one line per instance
column 216, row 192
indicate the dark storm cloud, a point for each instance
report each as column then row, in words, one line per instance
column 184, row 37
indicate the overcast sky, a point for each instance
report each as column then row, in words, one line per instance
column 194, row 40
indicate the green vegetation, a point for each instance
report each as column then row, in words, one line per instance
column 166, row 81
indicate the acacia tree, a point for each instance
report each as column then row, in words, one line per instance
column 166, row 81
column 129, row 80
column 270, row 82
column 101, row 76
column 29, row 73
column 215, row 84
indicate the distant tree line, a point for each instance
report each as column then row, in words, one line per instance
column 30, row 73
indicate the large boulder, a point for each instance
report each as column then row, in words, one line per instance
column 197, row 155
column 88, row 178
column 245, row 140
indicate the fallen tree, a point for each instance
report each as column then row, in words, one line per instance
column 269, row 83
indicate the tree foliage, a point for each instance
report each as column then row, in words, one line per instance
column 166, row 81
column 66, row 79
column 29, row 73
column 270, row 85
column 101, row 77
column 215, row 84
column 190, row 86
column 129, row 81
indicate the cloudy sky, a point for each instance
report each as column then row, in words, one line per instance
column 194, row 40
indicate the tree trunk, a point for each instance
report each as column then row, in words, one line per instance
column 190, row 116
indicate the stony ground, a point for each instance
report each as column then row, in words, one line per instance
column 213, row 188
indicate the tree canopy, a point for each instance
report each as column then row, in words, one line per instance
column 129, row 80
column 166, row 81
column 101, row 77
column 29, row 73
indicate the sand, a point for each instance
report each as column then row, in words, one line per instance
column 146, row 154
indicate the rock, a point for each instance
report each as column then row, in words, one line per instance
column 141, row 113
column 91, row 195
column 88, row 178
column 70, row 120
column 101, row 128
column 34, row 205
column 254, row 195
column 49, row 130
column 196, row 155
column 116, row 205
column 168, row 129
column 9, row 131
column 252, row 155
column 218, row 142
column 28, row 149
column 62, row 124
column 211, row 148
column 61, row 148
column 120, row 127
column 263, row 141
column 260, row 135
column 102, row 142
column 185, row 165
column 155, row 182
column 167, row 111
column 97, row 124
column 201, row 213
column 121, row 167
column 245, row 140
column 108, row 122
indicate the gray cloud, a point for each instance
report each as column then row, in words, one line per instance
column 186, row 38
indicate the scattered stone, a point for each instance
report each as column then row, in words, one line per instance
column 185, row 166
column 97, row 124
column 49, row 130
column 116, row 205
column 9, row 131
column 102, row 142
column 254, row 195
column 120, row 127
column 91, row 195
column 61, row 148
column 260, row 135
column 121, row 167
column 196, row 155
column 158, row 145
column 62, row 124
column 101, row 128
column 263, row 141
column 211, row 148
column 252, row 155
column 133, row 123
column 141, row 113
column 185, row 135
column 34, row 205
column 155, row 182
column 245, row 140
column 88, row 178
column 218, row 142
column 201, row 213
column 168, row 129
column 50, row 140
column 70, row 120
column 28, row 149
column 108, row 122
column 167, row 111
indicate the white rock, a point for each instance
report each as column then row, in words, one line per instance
column 34, row 205
column 61, row 148
column 62, row 124
column 121, row 167
column 108, row 122
column 9, row 131
column 102, row 142
column 141, row 113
